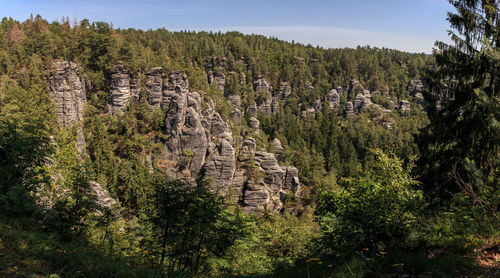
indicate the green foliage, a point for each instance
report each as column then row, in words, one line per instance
column 192, row 225
column 461, row 147
column 271, row 243
column 374, row 212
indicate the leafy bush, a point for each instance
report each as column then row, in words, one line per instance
column 373, row 212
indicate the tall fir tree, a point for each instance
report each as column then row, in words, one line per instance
column 461, row 145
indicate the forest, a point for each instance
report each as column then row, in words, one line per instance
column 132, row 153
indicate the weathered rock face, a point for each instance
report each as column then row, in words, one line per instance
column 309, row 112
column 404, row 106
column 284, row 92
column 354, row 88
column 254, row 123
column 277, row 145
column 214, row 73
column 264, row 99
column 265, row 107
column 333, row 99
column 261, row 85
column 67, row 88
column 154, row 87
column 362, row 101
column 236, row 116
column 102, row 197
column 268, row 192
column 415, row 86
column 135, row 84
column 252, row 110
column 120, row 89
column 234, row 100
column 220, row 80
column 292, row 181
column 220, row 165
column 317, row 105
column 187, row 139
column 349, row 109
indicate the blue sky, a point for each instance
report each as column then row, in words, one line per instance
column 409, row 25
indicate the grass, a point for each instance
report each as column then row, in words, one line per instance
column 28, row 250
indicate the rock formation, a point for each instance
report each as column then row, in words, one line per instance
column 354, row 88
column 254, row 123
column 187, row 139
column 120, row 89
column 277, row 145
column 349, row 109
column 154, row 87
column 333, row 99
column 67, row 88
column 404, row 106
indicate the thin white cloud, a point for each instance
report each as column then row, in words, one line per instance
column 333, row 37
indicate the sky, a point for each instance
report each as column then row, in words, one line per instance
column 408, row 25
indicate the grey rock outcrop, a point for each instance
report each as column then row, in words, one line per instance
column 135, row 85
column 362, row 101
column 154, row 87
column 102, row 198
column 354, row 88
column 264, row 99
column 267, row 193
column 236, row 116
column 254, row 123
column 252, row 110
column 284, row 92
column 120, row 89
column 349, row 110
column 220, row 80
column 404, row 106
column 187, row 138
column 277, row 145
column 234, row 100
column 220, row 165
column 67, row 89
column 333, row 99
column 265, row 106
column 415, row 86
column 292, row 181
column 261, row 85
column 317, row 105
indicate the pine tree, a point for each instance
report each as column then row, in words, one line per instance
column 460, row 147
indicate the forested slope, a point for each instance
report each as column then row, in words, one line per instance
column 222, row 154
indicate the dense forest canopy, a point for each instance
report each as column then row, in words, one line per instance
column 157, row 153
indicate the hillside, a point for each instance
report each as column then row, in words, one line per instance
column 218, row 154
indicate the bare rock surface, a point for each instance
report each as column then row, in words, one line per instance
column 67, row 89
column 120, row 94
column 333, row 99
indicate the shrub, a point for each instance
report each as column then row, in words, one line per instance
column 374, row 212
